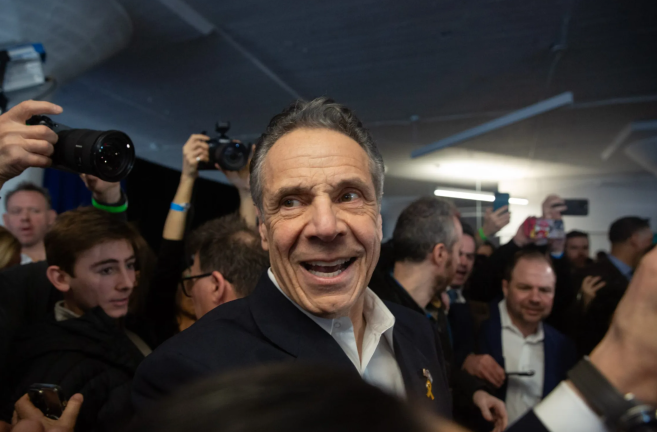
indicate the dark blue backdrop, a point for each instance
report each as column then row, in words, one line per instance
column 66, row 189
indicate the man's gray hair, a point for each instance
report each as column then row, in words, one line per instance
column 320, row 113
column 421, row 226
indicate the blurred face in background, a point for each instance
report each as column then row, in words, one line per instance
column 322, row 225
column 577, row 251
column 28, row 217
column 447, row 273
column 642, row 242
column 530, row 292
column 465, row 262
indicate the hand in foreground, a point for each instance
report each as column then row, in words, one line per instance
column 492, row 409
column 485, row 367
column 240, row 179
column 590, row 287
column 553, row 206
column 25, row 410
column 626, row 356
column 494, row 221
column 23, row 146
column 195, row 150
column 102, row 191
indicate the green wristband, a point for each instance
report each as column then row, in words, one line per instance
column 110, row 209
column 482, row 235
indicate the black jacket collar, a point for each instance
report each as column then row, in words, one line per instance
column 276, row 315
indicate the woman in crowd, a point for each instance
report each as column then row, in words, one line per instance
column 10, row 249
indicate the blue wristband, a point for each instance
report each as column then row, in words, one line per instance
column 180, row 207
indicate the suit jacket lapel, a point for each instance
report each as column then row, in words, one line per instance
column 412, row 362
column 550, row 376
column 291, row 330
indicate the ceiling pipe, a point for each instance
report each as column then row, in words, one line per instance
column 514, row 117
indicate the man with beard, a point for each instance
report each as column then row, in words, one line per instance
column 426, row 249
column 577, row 250
column 519, row 354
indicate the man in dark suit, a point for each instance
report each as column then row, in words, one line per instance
column 518, row 340
column 426, row 248
column 317, row 182
column 631, row 238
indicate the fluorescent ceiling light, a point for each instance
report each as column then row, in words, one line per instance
column 475, row 196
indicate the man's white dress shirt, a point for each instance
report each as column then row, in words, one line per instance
column 378, row 365
column 25, row 259
column 522, row 354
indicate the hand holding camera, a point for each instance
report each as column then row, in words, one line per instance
column 195, row 151
column 23, row 146
column 226, row 154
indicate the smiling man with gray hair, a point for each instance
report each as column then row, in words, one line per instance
column 317, row 182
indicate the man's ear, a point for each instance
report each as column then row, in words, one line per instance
column 439, row 255
column 262, row 229
column 223, row 291
column 505, row 288
column 50, row 217
column 59, row 278
column 4, row 218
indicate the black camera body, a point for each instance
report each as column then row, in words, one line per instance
column 229, row 154
column 108, row 155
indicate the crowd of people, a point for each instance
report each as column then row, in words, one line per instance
column 290, row 314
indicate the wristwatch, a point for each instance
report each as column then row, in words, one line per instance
column 623, row 413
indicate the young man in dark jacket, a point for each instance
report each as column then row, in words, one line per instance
column 85, row 345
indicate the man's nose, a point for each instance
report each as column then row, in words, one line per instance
column 535, row 296
column 324, row 224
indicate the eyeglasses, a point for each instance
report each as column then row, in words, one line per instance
column 186, row 286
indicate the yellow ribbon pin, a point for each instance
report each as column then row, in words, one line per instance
column 429, row 393
column 429, row 378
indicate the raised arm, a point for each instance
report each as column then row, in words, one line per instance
column 195, row 150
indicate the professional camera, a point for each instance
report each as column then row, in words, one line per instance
column 109, row 155
column 231, row 155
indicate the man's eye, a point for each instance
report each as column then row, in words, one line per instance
column 349, row 196
column 131, row 266
column 291, row 203
column 106, row 271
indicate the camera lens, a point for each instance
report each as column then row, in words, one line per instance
column 114, row 155
column 234, row 157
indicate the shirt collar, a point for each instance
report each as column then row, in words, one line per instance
column 505, row 319
column 62, row 313
column 378, row 317
column 621, row 266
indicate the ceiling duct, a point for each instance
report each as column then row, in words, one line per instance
column 644, row 154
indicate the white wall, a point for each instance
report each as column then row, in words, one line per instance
column 34, row 175
column 609, row 197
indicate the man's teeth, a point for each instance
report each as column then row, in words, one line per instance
column 325, row 275
column 328, row 263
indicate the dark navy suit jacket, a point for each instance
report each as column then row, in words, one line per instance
column 267, row 328
column 560, row 352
